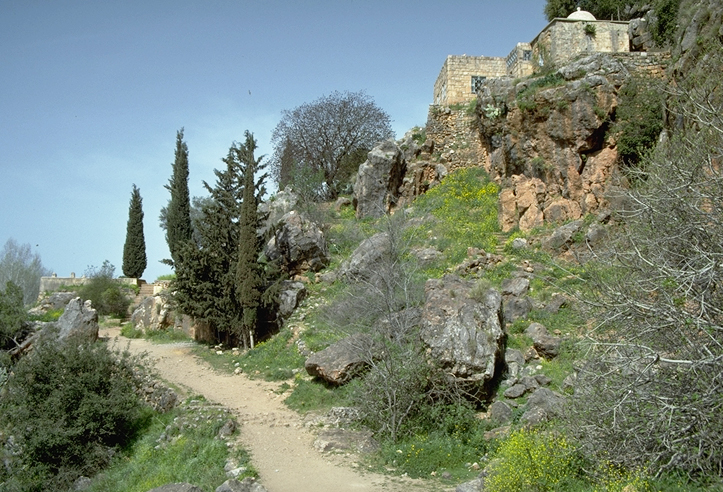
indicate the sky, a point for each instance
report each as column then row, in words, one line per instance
column 92, row 94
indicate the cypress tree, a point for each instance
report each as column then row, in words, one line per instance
column 178, row 212
column 249, row 274
column 134, row 250
column 205, row 275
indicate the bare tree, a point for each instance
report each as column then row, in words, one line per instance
column 650, row 393
column 18, row 264
column 327, row 138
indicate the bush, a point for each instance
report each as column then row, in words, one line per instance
column 106, row 295
column 12, row 316
column 68, row 406
column 532, row 460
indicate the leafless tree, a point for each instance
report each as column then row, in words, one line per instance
column 651, row 392
column 327, row 139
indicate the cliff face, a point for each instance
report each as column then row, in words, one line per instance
column 545, row 140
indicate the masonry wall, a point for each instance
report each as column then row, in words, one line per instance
column 454, row 83
column 564, row 39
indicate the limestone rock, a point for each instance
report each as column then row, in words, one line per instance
column 78, row 319
column 360, row 265
column 299, row 244
column 378, row 180
column 292, row 293
column 545, row 345
column 341, row 361
column 248, row 484
column 154, row 313
column 542, row 405
column 500, row 413
column 463, row 335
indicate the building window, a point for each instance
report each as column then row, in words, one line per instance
column 527, row 55
column 477, row 83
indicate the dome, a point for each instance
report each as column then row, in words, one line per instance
column 582, row 15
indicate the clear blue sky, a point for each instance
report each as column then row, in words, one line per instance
column 93, row 92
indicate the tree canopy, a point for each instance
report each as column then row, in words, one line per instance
column 323, row 142
column 218, row 278
column 134, row 250
column 176, row 216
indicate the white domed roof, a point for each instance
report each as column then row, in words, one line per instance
column 583, row 15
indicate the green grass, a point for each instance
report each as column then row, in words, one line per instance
column 167, row 336
column 52, row 315
column 316, row 395
column 130, row 331
column 193, row 454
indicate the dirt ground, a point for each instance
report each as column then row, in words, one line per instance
column 281, row 446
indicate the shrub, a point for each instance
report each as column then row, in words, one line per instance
column 68, row 406
column 106, row 295
column 12, row 316
column 532, row 460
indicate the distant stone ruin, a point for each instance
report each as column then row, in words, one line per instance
column 563, row 39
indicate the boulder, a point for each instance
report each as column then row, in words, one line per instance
column 561, row 237
column 516, row 308
column 464, row 335
column 547, row 346
column 154, row 313
column 274, row 209
column 516, row 286
column 378, row 180
column 248, row 484
column 291, row 294
column 500, row 413
column 361, row 264
column 542, row 405
column 299, row 245
column 476, row 485
column 177, row 487
column 78, row 320
column 340, row 362
column 346, row 440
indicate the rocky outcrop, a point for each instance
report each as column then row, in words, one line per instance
column 464, row 335
column 378, row 180
column 341, row 361
column 52, row 302
column 298, row 244
column 78, row 320
column 361, row 264
column 153, row 313
column 291, row 294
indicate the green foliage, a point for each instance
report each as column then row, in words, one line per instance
column 130, row 331
column 167, row 336
column 532, row 460
column 590, row 30
column 167, row 276
column 274, row 359
column 12, row 316
column 465, row 206
column 134, row 249
column 559, row 8
column 446, row 436
column 206, row 285
column 639, row 120
column 176, row 216
column 666, row 13
column 249, row 272
column 107, row 295
column 51, row 315
column 18, row 264
column 309, row 396
column 67, row 404
column 179, row 446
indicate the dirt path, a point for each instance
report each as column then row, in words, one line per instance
column 281, row 447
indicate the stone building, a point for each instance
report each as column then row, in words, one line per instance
column 559, row 42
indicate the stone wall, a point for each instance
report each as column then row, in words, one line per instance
column 454, row 84
column 456, row 137
column 564, row 39
column 55, row 283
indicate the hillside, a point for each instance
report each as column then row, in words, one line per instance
column 522, row 294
